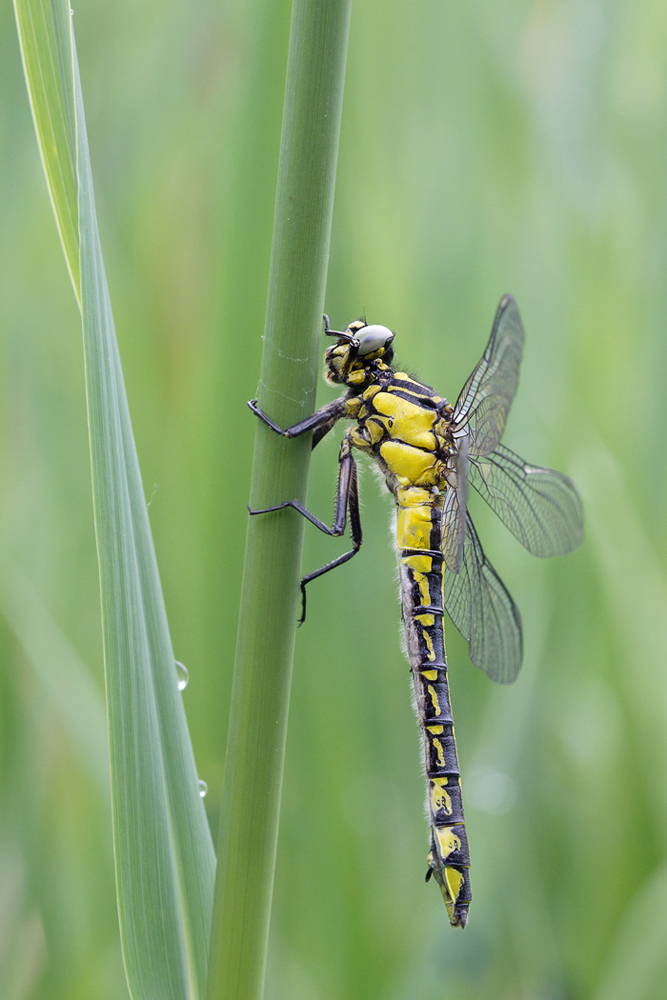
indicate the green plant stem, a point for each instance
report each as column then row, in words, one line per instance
column 269, row 606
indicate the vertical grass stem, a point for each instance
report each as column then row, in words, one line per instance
column 290, row 363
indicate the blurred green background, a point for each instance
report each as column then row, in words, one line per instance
column 485, row 148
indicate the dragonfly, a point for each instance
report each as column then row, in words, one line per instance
column 430, row 454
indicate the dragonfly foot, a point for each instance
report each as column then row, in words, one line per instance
column 303, row 606
column 269, row 510
column 252, row 404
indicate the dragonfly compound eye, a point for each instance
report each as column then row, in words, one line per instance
column 373, row 338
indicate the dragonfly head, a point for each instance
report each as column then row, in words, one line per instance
column 358, row 354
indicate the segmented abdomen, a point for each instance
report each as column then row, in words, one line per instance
column 419, row 541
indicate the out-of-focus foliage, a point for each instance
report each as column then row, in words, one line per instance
column 485, row 148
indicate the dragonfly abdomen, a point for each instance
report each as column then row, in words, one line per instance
column 419, row 524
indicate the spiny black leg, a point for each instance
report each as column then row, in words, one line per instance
column 338, row 333
column 297, row 505
column 347, row 475
column 322, row 430
column 322, row 420
column 347, row 497
column 252, row 403
column 355, row 531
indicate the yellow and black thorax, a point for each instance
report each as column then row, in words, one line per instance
column 406, row 427
column 404, row 424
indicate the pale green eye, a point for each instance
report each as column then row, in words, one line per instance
column 373, row 338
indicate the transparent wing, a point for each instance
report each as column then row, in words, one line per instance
column 541, row 507
column 455, row 506
column 485, row 399
column 484, row 613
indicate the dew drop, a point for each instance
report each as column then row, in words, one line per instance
column 203, row 788
column 182, row 674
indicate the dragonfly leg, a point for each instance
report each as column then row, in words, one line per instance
column 297, row 505
column 321, row 421
column 355, row 531
column 347, row 498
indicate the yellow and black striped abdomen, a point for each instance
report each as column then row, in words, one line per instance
column 418, row 538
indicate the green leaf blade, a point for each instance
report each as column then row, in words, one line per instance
column 163, row 849
column 45, row 50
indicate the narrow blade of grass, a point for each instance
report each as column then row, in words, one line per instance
column 163, row 850
column 44, row 31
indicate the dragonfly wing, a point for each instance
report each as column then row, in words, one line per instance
column 484, row 613
column 541, row 507
column 455, row 507
column 485, row 399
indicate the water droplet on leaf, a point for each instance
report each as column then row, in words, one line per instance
column 182, row 674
